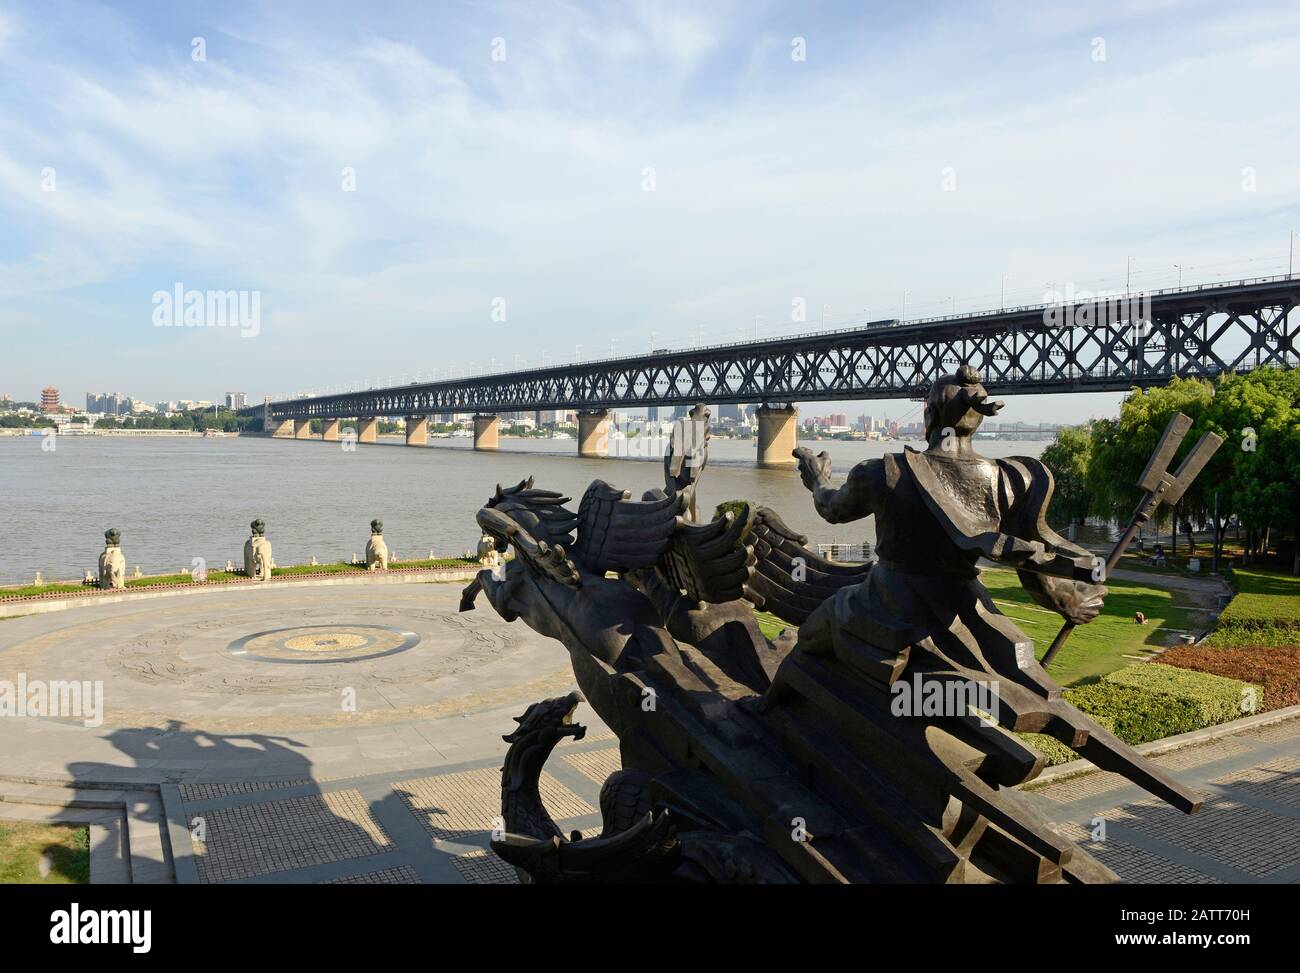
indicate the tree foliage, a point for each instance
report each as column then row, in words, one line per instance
column 1067, row 456
column 1122, row 446
column 1256, row 472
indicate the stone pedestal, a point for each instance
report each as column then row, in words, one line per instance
column 281, row 428
column 376, row 553
column 487, row 432
column 257, row 554
column 112, row 563
column 417, row 430
column 488, row 555
column 593, row 433
column 367, row 429
column 777, row 435
column 330, row 430
column 302, row 429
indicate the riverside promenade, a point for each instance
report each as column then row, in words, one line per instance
column 349, row 730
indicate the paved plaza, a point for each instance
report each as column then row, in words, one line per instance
column 351, row 734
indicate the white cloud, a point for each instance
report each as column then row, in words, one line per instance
column 524, row 179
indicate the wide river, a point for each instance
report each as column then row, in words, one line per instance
column 176, row 498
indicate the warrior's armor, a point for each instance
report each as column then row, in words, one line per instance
column 937, row 513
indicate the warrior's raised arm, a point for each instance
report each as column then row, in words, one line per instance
column 854, row 500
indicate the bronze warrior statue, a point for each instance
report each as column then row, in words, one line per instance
column 877, row 744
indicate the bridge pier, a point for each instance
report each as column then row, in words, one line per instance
column 280, row 428
column 367, row 429
column 329, row 430
column 593, row 433
column 487, row 432
column 302, row 429
column 417, row 430
column 778, row 428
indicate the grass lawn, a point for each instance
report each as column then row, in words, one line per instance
column 770, row 624
column 30, row 848
column 1265, row 611
column 1092, row 650
column 1101, row 646
column 218, row 577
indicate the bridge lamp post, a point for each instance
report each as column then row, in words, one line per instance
column 906, row 292
column 1179, row 268
column 822, row 324
column 757, row 318
column 1003, row 304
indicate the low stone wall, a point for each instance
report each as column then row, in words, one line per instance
column 12, row 607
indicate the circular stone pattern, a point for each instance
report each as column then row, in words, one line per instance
column 324, row 643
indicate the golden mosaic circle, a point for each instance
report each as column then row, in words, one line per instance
column 324, row 643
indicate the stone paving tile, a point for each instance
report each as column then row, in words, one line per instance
column 1198, row 756
column 1133, row 864
column 208, row 792
column 598, row 736
column 485, row 868
column 1277, row 781
column 397, row 875
column 1225, row 831
column 1275, row 732
column 1083, row 786
column 453, row 806
column 276, row 836
column 596, row 764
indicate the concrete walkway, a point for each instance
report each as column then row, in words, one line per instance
column 1248, row 830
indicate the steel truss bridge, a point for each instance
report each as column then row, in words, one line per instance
column 1102, row 344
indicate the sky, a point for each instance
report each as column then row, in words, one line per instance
column 409, row 188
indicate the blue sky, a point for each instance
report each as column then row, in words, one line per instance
column 523, row 178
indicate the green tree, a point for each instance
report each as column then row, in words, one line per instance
column 1068, row 457
column 1257, row 471
column 1121, row 448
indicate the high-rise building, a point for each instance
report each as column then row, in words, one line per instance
column 236, row 400
column 49, row 399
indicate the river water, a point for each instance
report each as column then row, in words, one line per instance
column 175, row 499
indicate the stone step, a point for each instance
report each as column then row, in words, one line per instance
column 130, row 843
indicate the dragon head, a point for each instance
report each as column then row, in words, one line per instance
column 553, row 715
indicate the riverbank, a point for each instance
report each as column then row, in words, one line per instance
column 33, row 599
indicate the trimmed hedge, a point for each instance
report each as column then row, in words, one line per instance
column 1149, row 701
column 1215, row 699
column 1140, row 715
column 1265, row 611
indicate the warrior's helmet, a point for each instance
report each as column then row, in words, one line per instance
column 958, row 402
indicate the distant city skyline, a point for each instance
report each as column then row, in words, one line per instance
column 296, row 198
